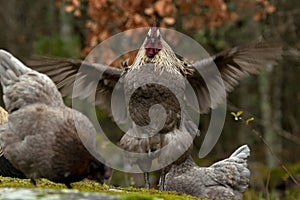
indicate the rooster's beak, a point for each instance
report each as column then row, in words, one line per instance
column 153, row 43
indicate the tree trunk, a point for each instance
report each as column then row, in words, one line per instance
column 265, row 106
column 65, row 26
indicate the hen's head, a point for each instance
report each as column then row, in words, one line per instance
column 153, row 42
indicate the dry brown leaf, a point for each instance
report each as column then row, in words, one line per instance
column 57, row 3
column 266, row 3
column 270, row 9
column 257, row 16
column 184, row 7
column 169, row 20
column 164, row 7
column 233, row 16
column 149, row 11
column 94, row 41
column 223, row 7
column 77, row 13
column 76, row 3
column 137, row 18
column 104, row 35
column 159, row 7
column 69, row 8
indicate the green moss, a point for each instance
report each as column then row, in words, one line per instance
column 41, row 195
column 90, row 186
column 136, row 197
column 147, row 193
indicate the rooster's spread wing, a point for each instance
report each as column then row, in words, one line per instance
column 233, row 65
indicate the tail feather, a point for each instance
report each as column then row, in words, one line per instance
column 10, row 64
column 23, row 86
column 10, row 68
column 238, row 157
column 242, row 152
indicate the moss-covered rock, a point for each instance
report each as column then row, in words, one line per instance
column 53, row 194
column 12, row 188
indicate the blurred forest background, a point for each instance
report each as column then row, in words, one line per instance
column 71, row 28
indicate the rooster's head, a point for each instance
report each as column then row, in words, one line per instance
column 156, row 50
column 153, row 42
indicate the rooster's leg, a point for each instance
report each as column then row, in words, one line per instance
column 68, row 185
column 147, row 182
column 33, row 182
column 162, row 181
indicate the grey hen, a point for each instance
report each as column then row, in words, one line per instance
column 43, row 138
column 156, row 65
column 226, row 179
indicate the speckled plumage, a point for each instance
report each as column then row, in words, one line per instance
column 226, row 179
column 145, row 95
column 43, row 138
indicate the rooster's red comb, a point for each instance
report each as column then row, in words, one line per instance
column 154, row 28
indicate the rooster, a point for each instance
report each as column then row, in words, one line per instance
column 154, row 88
column 43, row 138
